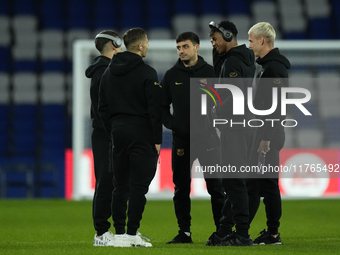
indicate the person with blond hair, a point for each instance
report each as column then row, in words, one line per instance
column 270, row 138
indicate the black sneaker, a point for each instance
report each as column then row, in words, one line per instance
column 181, row 238
column 215, row 240
column 266, row 238
column 210, row 241
column 237, row 240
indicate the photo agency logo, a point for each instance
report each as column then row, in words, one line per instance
column 281, row 97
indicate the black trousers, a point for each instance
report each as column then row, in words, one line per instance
column 268, row 188
column 236, row 148
column 101, row 205
column 181, row 168
column 134, row 166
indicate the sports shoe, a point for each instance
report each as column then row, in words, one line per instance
column 266, row 238
column 126, row 240
column 182, row 237
column 143, row 236
column 210, row 241
column 233, row 240
column 215, row 240
column 106, row 239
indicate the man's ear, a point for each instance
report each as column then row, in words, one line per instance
column 262, row 40
column 197, row 47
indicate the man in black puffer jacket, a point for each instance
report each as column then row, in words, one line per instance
column 176, row 90
column 269, row 138
column 108, row 44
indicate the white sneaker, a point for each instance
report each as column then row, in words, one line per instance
column 106, row 239
column 143, row 236
column 126, row 240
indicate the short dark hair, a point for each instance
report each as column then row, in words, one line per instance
column 100, row 42
column 188, row 36
column 133, row 35
column 227, row 25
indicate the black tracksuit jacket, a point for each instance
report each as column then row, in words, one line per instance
column 95, row 72
column 238, row 63
column 131, row 94
column 274, row 73
column 176, row 90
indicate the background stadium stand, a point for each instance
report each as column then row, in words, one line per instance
column 36, row 66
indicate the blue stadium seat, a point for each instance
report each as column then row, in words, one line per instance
column 55, row 159
column 4, row 143
column 78, row 14
column 4, row 10
column 105, row 15
column 209, row 7
column 53, row 66
column 53, row 111
column 25, row 111
column 4, row 111
column 307, row 121
column 24, row 6
column 24, row 144
column 158, row 14
column 320, row 28
column 294, row 35
column 24, row 126
column 332, row 127
column 52, row 14
column 53, row 141
column 131, row 17
column 185, row 7
column 5, row 59
column 237, row 7
column 26, row 66
column 53, row 126
column 18, row 177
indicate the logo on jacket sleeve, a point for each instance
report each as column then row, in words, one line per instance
column 178, row 83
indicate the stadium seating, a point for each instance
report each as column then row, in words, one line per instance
column 36, row 46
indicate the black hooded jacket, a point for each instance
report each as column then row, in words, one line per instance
column 131, row 95
column 95, row 72
column 237, row 69
column 176, row 90
column 274, row 73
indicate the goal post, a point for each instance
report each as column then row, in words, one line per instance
column 162, row 55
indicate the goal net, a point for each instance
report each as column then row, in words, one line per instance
column 312, row 60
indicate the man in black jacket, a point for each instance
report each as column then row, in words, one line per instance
column 108, row 44
column 176, row 91
column 269, row 139
column 130, row 108
column 237, row 62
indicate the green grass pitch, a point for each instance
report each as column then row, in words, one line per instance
column 65, row 227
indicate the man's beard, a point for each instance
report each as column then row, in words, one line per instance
column 187, row 61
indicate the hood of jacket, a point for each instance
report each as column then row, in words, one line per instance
column 243, row 53
column 274, row 55
column 190, row 69
column 123, row 62
column 97, row 62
